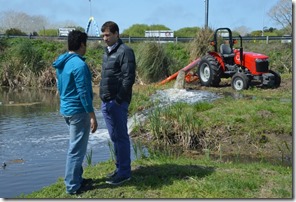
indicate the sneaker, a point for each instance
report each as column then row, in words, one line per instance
column 84, row 186
column 111, row 175
column 118, row 180
column 85, row 182
column 77, row 192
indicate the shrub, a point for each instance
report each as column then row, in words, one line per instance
column 179, row 54
column 201, row 43
column 30, row 56
column 15, row 32
column 152, row 62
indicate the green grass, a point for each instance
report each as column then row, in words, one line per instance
column 166, row 177
column 232, row 132
column 256, row 122
column 253, row 126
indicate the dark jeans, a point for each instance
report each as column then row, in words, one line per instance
column 116, row 120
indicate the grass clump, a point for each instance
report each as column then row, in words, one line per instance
column 152, row 63
column 253, row 129
column 200, row 45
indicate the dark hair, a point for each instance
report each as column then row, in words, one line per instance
column 113, row 27
column 75, row 38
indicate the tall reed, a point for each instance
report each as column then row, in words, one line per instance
column 89, row 158
column 138, row 148
column 111, row 150
column 153, row 62
column 176, row 125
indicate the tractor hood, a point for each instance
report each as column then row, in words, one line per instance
column 251, row 55
column 256, row 63
column 248, row 56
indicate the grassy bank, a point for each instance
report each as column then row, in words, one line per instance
column 256, row 123
column 229, row 135
column 166, row 177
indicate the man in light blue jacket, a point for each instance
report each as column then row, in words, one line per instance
column 76, row 97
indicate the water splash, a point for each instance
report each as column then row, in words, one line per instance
column 170, row 96
column 101, row 135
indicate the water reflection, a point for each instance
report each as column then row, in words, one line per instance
column 24, row 102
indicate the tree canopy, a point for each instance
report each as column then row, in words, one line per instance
column 281, row 13
column 138, row 30
column 187, row 32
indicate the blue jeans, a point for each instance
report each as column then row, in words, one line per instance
column 116, row 121
column 79, row 128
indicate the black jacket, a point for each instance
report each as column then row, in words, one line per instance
column 118, row 74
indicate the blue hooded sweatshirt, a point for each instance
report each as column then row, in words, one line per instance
column 74, row 84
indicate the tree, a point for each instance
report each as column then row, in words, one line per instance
column 136, row 30
column 242, row 30
column 15, row 32
column 22, row 21
column 187, row 32
column 79, row 28
column 270, row 29
column 281, row 13
column 256, row 33
column 158, row 27
column 32, row 24
column 48, row 32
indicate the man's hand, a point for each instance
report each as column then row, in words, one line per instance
column 93, row 122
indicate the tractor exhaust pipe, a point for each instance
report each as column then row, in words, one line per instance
column 241, row 50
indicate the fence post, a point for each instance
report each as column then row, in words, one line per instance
column 267, row 39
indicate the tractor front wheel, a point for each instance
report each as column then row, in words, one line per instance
column 240, row 81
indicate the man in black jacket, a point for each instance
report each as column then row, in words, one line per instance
column 118, row 77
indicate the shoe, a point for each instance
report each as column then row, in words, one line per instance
column 111, row 175
column 84, row 186
column 85, row 182
column 118, row 180
column 77, row 192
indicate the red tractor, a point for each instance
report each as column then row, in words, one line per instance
column 243, row 67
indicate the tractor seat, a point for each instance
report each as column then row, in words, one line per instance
column 226, row 51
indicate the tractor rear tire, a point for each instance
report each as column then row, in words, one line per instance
column 277, row 78
column 209, row 71
column 240, row 81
